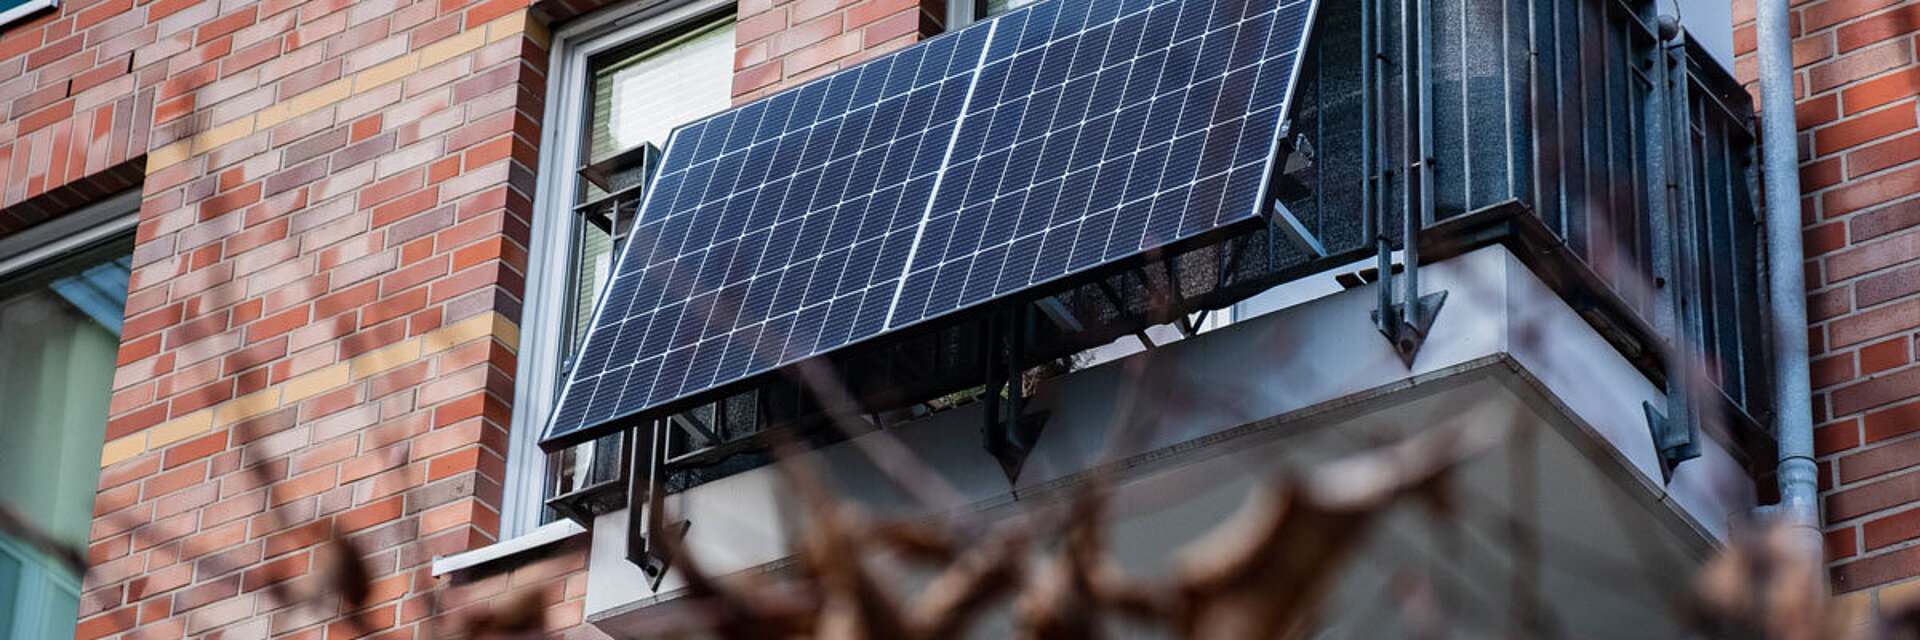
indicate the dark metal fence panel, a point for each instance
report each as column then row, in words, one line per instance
column 1726, row 235
column 1576, row 109
column 1594, row 89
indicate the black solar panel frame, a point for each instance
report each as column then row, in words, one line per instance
column 732, row 372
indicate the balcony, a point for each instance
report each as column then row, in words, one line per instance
column 1585, row 254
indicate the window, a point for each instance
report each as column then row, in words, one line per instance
column 621, row 83
column 61, row 304
column 965, row 12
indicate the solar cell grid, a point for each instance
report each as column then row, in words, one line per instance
column 1045, row 142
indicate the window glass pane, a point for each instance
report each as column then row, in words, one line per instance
column 11, row 572
column 593, row 261
column 59, row 336
column 640, row 96
column 997, row 7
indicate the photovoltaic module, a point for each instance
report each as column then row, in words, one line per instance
column 992, row 160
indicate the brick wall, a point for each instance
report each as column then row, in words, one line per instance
column 321, row 322
column 782, row 43
column 1857, row 78
column 323, row 315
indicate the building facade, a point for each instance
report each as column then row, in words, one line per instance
column 285, row 280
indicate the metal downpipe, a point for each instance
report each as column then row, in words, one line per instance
column 1786, row 283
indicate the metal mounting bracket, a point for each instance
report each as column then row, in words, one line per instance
column 1008, row 431
column 1407, row 329
column 1676, row 441
column 1288, row 226
column 1406, row 323
column 655, row 565
column 646, row 506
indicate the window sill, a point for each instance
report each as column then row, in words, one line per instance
column 546, row 535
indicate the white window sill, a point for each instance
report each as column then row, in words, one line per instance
column 546, row 535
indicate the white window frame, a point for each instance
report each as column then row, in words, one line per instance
column 544, row 313
column 22, row 11
column 67, row 232
column 965, row 13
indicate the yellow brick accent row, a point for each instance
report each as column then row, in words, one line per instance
column 447, row 49
column 386, row 359
column 1893, row 597
column 486, row 324
column 507, row 26
column 385, row 72
column 221, row 135
column 305, row 103
column 516, row 23
column 329, row 378
column 168, row 155
column 192, row 424
column 157, row 436
column 247, row 406
column 316, row 383
column 122, row 449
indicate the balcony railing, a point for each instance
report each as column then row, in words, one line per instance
column 1566, row 127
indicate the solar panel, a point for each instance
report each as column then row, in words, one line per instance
column 1005, row 156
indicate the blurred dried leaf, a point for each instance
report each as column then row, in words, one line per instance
column 344, row 572
column 1766, row 584
column 1264, row 573
column 24, row 530
column 985, row 574
column 521, row 617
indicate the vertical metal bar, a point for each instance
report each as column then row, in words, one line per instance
column 1666, row 124
column 1733, row 359
column 1660, row 199
column 1016, row 376
column 1418, row 79
column 1566, row 59
column 1506, row 94
column 1603, row 251
column 1464, row 71
column 1376, row 209
column 1684, row 371
column 990, row 361
column 1368, row 180
column 1538, row 164
column 1410, row 152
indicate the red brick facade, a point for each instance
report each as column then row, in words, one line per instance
column 1857, row 79
column 322, row 324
